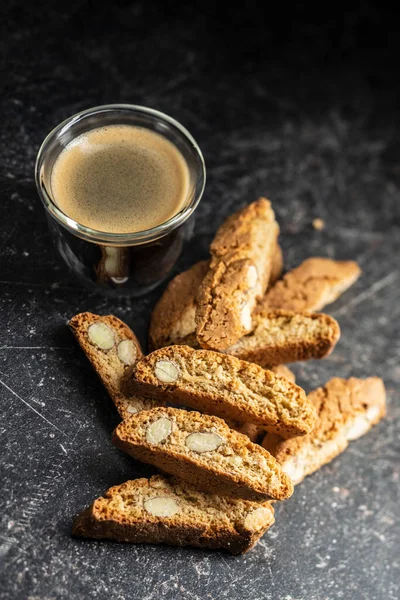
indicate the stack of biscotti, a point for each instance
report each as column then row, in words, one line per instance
column 208, row 460
column 220, row 336
column 284, row 325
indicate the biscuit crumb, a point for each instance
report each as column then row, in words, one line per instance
column 318, row 224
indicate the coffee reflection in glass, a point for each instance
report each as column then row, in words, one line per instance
column 119, row 183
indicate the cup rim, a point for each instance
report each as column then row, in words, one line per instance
column 130, row 238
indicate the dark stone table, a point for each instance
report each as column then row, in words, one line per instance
column 305, row 112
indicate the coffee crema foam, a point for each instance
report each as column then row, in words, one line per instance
column 120, row 179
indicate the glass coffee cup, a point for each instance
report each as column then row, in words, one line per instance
column 129, row 263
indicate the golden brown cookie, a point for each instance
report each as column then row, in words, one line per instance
column 240, row 269
column 311, row 286
column 285, row 336
column 347, row 409
column 163, row 510
column 203, row 451
column 112, row 347
column 173, row 317
column 223, row 385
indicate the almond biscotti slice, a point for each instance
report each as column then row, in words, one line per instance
column 347, row 409
column 223, row 385
column 173, row 317
column 163, row 510
column 203, row 451
column 111, row 346
column 240, row 269
column 285, row 336
column 311, row 286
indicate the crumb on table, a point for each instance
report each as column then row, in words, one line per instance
column 318, row 224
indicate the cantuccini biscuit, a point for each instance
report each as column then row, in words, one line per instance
column 223, row 385
column 347, row 409
column 311, row 286
column 203, row 451
column 285, row 336
column 163, row 510
column 307, row 289
column 111, row 347
column 240, row 269
column 173, row 317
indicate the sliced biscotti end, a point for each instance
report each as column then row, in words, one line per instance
column 112, row 348
column 349, row 406
column 312, row 285
column 347, row 409
column 203, row 451
column 223, row 385
column 339, row 274
column 362, row 403
column 108, row 334
column 242, row 258
column 225, row 302
column 300, row 458
column 173, row 318
column 236, row 234
column 168, row 510
column 286, row 336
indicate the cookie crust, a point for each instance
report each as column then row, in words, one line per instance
column 239, row 272
column 107, row 363
column 347, row 409
column 225, row 386
column 202, row 520
column 231, row 465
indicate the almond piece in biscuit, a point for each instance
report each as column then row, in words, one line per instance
column 203, row 451
column 285, row 336
column 347, row 409
column 166, row 510
column 223, row 385
column 111, row 347
column 240, row 269
column 311, row 286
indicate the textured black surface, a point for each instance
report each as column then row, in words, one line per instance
column 302, row 111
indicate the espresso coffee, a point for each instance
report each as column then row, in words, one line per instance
column 120, row 179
